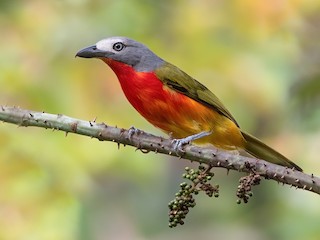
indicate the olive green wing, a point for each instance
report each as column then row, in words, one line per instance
column 181, row 82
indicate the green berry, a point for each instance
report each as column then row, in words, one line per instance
column 183, row 184
column 201, row 167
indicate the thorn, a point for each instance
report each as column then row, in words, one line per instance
column 31, row 115
column 304, row 187
column 312, row 175
column 265, row 165
column 275, row 175
column 282, row 177
column 94, row 120
column 91, row 125
column 297, row 180
column 170, row 153
column 230, row 164
column 313, row 181
column 310, row 189
column 218, row 164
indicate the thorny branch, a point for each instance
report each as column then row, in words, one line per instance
column 147, row 142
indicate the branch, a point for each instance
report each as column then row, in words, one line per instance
column 147, row 142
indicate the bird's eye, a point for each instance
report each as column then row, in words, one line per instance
column 118, row 46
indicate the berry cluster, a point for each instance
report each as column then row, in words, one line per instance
column 179, row 207
column 244, row 188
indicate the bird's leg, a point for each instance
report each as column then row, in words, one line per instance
column 178, row 143
column 132, row 131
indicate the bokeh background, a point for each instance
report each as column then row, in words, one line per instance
column 261, row 58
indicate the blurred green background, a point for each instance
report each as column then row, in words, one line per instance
column 261, row 58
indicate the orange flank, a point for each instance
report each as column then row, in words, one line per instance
column 174, row 112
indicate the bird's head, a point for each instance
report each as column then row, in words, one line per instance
column 124, row 50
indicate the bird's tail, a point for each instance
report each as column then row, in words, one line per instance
column 260, row 150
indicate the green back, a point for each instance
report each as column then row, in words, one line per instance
column 181, row 82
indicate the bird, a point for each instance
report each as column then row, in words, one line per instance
column 175, row 102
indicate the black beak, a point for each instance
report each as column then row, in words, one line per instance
column 91, row 52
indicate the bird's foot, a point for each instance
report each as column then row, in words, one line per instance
column 132, row 130
column 178, row 143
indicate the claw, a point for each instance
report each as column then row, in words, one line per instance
column 132, row 130
column 178, row 143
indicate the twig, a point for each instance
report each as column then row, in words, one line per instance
column 147, row 142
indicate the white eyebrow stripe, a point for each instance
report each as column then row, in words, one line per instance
column 106, row 44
